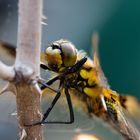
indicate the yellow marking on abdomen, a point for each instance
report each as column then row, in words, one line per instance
column 91, row 91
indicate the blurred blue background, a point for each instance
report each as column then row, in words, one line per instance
column 117, row 22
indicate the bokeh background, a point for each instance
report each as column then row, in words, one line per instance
column 117, row 23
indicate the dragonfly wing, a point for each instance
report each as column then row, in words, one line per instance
column 101, row 76
column 122, row 121
column 7, row 52
column 132, row 105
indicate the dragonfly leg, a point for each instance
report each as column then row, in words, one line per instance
column 76, row 67
column 68, row 98
column 51, row 107
column 69, row 105
column 47, row 111
column 45, row 84
column 44, row 66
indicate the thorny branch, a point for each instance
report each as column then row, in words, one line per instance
column 23, row 75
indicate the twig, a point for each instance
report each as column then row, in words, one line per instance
column 6, row 72
column 23, row 75
column 27, row 68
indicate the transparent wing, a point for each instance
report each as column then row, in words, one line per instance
column 124, row 124
column 132, row 105
column 7, row 53
column 122, row 121
column 8, row 122
column 83, row 124
column 101, row 76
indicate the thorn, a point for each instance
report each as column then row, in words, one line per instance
column 23, row 134
column 8, row 87
column 4, row 89
column 14, row 113
column 36, row 87
column 43, row 23
column 44, row 17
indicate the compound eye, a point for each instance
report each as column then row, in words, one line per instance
column 53, row 57
column 69, row 53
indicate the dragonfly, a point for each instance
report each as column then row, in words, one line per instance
column 83, row 78
column 77, row 71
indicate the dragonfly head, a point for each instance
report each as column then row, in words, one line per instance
column 60, row 55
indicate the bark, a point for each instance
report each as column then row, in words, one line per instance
column 28, row 109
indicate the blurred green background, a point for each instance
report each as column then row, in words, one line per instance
column 117, row 22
